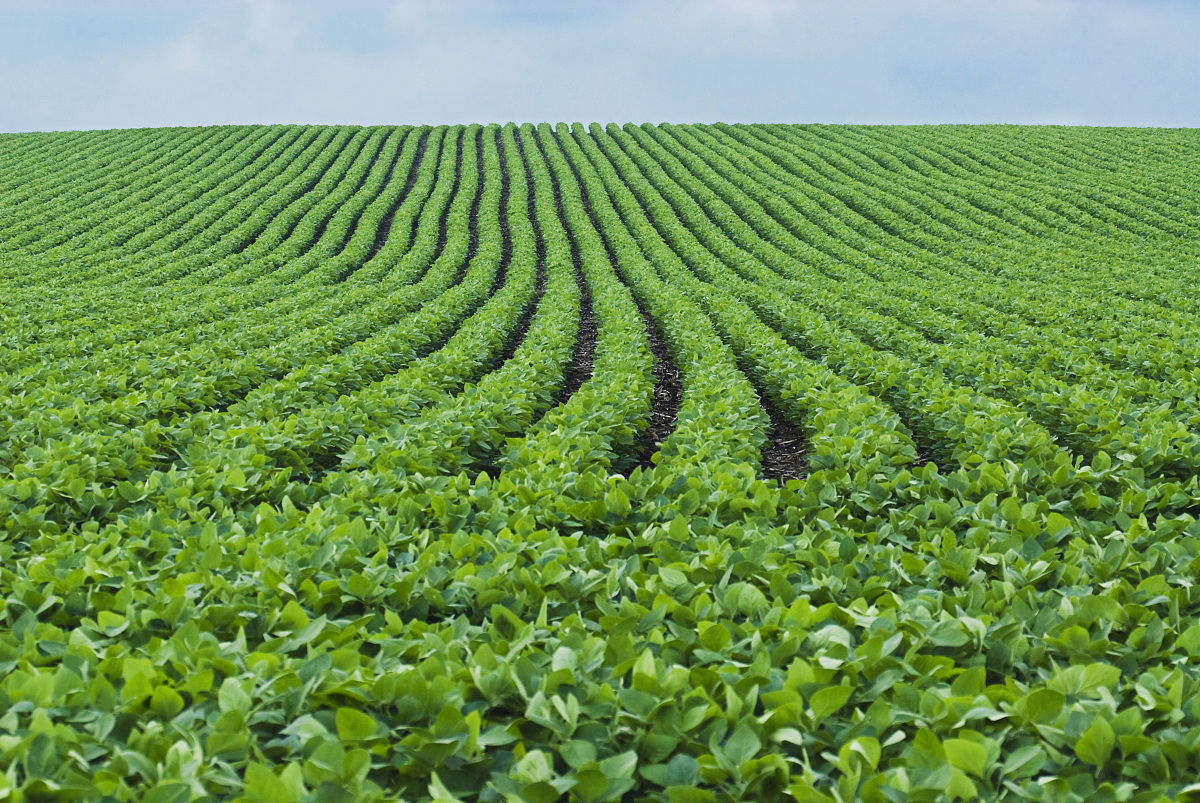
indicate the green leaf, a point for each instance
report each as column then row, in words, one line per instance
column 111, row 623
column 535, row 767
column 682, row 770
column 590, row 784
column 1024, row 762
column 960, row 787
column 235, row 478
column 1189, row 641
column 967, row 756
column 713, row 635
column 948, row 634
column 577, row 752
column 859, row 752
column 619, row 766
column 166, row 702
column 1097, row 676
column 438, row 791
column 232, row 697
column 262, row 785
column 354, row 725
column 1096, row 744
column 745, row 599
column 166, row 792
column 672, row 578
column 828, row 700
column 1057, row 523
column 742, row 745
column 1044, row 705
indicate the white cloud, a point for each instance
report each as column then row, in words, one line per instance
column 1104, row 61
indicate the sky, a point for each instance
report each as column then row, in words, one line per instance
column 83, row 64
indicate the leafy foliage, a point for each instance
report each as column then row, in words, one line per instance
column 322, row 463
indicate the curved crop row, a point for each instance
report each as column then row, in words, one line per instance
column 667, row 462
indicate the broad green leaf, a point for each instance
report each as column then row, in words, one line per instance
column 827, row 701
column 535, row 767
column 966, row 755
column 232, row 697
column 354, row 725
column 1096, row 744
column 742, row 745
column 745, row 599
column 1024, row 762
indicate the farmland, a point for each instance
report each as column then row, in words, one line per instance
column 679, row 462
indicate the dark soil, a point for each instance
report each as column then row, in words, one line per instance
column 472, row 213
column 444, row 226
column 320, row 232
column 924, row 458
column 313, row 182
column 668, row 388
column 385, row 225
column 522, row 327
column 387, row 179
column 668, row 393
column 581, row 367
column 505, row 235
column 445, row 142
column 783, row 455
column 324, row 460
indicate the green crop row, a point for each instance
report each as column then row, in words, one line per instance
column 345, row 463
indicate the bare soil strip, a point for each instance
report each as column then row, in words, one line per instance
column 783, row 455
column 385, row 225
column 580, row 368
column 668, row 388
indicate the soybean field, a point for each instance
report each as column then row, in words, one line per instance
column 600, row 462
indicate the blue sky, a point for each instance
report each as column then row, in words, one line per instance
column 106, row 64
